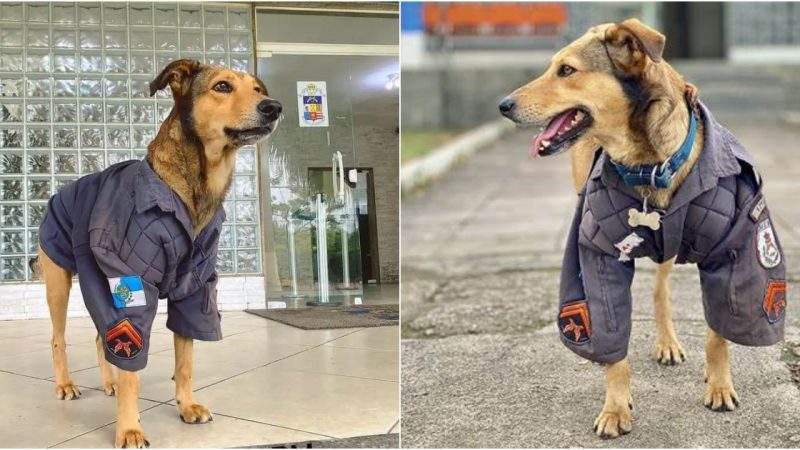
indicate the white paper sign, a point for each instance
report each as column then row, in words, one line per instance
column 312, row 103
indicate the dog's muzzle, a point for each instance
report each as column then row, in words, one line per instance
column 507, row 107
column 270, row 110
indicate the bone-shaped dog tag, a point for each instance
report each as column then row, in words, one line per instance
column 650, row 219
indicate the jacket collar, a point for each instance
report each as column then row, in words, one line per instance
column 151, row 191
column 718, row 159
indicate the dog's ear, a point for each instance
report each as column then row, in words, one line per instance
column 177, row 75
column 631, row 42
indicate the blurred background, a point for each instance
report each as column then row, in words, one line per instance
column 459, row 59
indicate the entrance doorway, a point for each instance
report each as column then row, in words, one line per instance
column 363, row 189
column 320, row 170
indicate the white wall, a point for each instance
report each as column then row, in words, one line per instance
column 27, row 300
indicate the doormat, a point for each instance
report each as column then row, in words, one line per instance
column 322, row 318
column 376, row 441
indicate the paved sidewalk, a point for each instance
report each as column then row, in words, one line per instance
column 265, row 383
column 481, row 361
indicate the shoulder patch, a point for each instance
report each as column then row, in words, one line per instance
column 574, row 323
column 124, row 340
column 769, row 255
column 775, row 300
column 127, row 291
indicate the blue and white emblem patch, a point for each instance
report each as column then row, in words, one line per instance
column 127, row 291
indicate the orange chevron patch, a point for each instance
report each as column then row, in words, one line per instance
column 574, row 320
column 775, row 300
column 124, row 340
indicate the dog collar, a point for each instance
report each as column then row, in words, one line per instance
column 660, row 175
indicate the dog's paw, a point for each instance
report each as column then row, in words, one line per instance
column 669, row 352
column 110, row 389
column 67, row 391
column 720, row 397
column 131, row 439
column 612, row 424
column 195, row 413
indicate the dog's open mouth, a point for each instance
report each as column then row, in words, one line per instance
column 561, row 132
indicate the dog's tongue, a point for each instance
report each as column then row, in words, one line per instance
column 551, row 130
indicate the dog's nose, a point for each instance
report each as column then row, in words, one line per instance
column 271, row 109
column 507, row 105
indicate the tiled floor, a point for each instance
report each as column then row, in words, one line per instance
column 266, row 383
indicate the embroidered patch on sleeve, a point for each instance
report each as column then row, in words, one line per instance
column 758, row 209
column 769, row 255
column 127, row 291
column 124, row 340
column 573, row 321
column 775, row 300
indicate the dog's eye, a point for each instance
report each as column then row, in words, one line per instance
column 223, row 86
column 565, row 70
column 257, row 89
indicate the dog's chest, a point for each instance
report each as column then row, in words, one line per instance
column 689, row 232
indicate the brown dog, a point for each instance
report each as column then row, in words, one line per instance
column 619, row 94
column 216, row 111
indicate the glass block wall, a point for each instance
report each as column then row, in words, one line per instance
column 74, row 98
column 764, row 23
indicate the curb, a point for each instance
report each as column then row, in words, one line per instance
column 421, row 171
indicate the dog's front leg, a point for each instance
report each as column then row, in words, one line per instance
column 668, row 350
column 616, row 418
column 129, row 430
column 720, row 395
column 189, row 409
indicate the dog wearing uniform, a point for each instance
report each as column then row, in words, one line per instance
column 658, row 177
column 143, row 230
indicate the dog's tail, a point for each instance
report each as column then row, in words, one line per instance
column 36, row 267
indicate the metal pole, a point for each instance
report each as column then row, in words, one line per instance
column 322, row 249
column 293, row 263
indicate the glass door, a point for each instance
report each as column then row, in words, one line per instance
column 314, row 200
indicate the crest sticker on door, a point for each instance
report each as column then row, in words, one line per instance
column 769, row 255
column 312, row 103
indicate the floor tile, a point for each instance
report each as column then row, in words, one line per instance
column 377, row 338
column 25, row 328
column 353, row 362
column 163, row 428
column 18, row 346
column 156, row 378
column 318, row 403
column 39, row 363
column 245, row 357
column 284, row 334
column 31, row 415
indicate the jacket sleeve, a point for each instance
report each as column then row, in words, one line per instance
column 571, row 286
column 192, row 305
column 133, row 250
column 595, row 299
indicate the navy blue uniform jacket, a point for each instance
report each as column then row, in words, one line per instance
column 717, row 219
column 129, row 238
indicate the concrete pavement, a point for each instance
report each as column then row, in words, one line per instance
column 481, row 361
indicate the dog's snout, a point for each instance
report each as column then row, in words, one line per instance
column 271, row 109
column 507, row 105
